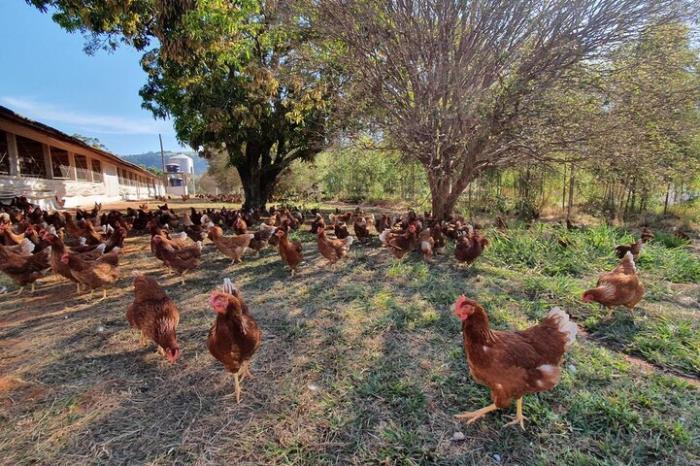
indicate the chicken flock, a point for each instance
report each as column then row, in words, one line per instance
column 85, row 248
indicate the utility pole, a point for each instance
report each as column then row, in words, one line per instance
column 162, row 161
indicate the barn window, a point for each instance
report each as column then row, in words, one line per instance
column 81, row 167
column 31, row 157
column 60, row 163
column 4, row 154
column 96, row 171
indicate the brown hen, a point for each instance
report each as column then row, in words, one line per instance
column 235, row 336
column 512, row 364
column 621, row 287
column 155, row 315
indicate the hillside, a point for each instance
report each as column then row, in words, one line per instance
column 152, row 160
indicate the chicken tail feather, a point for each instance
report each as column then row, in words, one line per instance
column 383, row 236
column 229, row 287
column 566, row 326
column 629, row 260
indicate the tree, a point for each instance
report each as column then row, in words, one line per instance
column 652, row 90
column 92, row 142
column 153, row 170
column 225, row 176
column 453, row 82
column 234, row 76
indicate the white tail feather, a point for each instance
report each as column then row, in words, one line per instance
column 383, row 235
column 565, row 324
column 101, row 248
column 26, row 246
column 629, row 257
column 186, row 220
column 349, row 240
column 229, row 287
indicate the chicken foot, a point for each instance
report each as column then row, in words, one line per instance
column 473, row 416
column 519, row 418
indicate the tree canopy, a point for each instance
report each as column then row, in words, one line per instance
column 454, row 83
column 235, row 77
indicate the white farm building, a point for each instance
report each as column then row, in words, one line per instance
column 47, row 166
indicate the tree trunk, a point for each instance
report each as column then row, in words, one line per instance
column 257, row 186
column 668, row 192
column 443, row 201
column 441, row 206
column 572, row 180
column 563, row 191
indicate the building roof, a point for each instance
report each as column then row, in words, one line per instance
column 46, row 129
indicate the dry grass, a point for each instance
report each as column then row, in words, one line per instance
column 363, row 365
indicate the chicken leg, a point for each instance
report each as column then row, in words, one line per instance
column 238, row 387
column 245, row 371
column 19, row 292
column 472, row 416
column 519, row 418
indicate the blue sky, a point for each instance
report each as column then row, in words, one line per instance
column 48, row 77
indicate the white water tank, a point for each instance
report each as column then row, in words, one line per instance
column 184, row 161
column 180, row 170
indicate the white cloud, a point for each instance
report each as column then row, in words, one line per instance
column 90, row 123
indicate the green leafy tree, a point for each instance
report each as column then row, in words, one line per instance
column 236, row 77
column 155, row 171
column 93, row 142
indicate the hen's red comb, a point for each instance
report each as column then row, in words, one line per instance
column 460, row 300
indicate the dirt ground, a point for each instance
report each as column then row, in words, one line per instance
column 358, row 365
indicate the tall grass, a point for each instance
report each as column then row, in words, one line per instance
column 554, row 251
